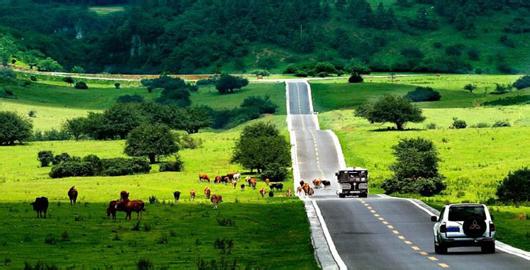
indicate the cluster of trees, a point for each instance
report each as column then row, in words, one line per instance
column 261, row 147
column 415, row 169
column 515, row 187
column 14, row 128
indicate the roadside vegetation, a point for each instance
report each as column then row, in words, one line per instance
column 478, row 144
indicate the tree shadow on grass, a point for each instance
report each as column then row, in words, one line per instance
column 393, row 129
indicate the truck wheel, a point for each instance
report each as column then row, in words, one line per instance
column 342, row 195
column 488, row 247
column 440, row 248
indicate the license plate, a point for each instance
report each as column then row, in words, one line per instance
column 453, row 229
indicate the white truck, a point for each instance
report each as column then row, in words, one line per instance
column 352, row 182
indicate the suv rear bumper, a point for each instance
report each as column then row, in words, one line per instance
column 466, row 242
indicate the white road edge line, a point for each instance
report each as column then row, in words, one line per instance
column 331, row 245
column 499, row 245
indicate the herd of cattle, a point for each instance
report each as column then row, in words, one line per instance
column 124, row 204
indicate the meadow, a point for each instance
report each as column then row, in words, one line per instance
column 473, row 160
column 246, row 231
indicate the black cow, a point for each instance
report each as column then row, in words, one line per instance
column 326, row 183
column 176, row 195
column 277, row 186
column 40, row 205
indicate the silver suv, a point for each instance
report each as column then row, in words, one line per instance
column 461, row 225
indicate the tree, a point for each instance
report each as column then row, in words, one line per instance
column 14, row 128
column 470, row 87
column 515, row 187
column 45, row 158
column 228, row 83
column 49, row 64
column 69, row 80
column 194, row 118
column 415, row 169
column 261, row 145
column 78, row 69
column 7, row 74
column 151, row 140
column 393, row 109
column 76, row 127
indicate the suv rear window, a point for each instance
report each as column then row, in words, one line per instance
column 462, row 213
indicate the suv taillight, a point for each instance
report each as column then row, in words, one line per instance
column 443, row 228
column 492, row 227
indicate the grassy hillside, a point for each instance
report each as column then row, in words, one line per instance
column 473, row 160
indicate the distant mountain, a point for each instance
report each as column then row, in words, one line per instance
column 204, row 36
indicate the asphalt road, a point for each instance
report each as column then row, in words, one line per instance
column 376, row 232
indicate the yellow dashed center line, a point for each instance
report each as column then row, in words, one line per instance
column 401, row 237
column 443, row 265
column 407, row 242
column 390, row 227
column 415, row 248
column 432, row 258
column 423, row 253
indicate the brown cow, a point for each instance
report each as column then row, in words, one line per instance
column 207, row 192
column 72, row 194
column 310, row 192
column 317, row 182
column 204, row 178
column 217, row 179
column 216, row 199
column 192, row 194
column 262, row 191
column 306, row 188
column 252, row 182
column 111, row 210
column 299, row 190
column 40, row 205
column 129, row 206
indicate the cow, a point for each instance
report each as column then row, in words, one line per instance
column 204, row 178
column 129, row 206
column 176, row 195
column 262, row 192
column 234, row 183
column 242, row 187
column 277, row 186
column 192, row 194
column 207, row 192
column 216, row 200
column 252, row 182
column 302, row 183
column 40, row 205
column 299, row 190
column 306, row 188
column 289, row 193
column 111, row 210
column 72, row 194
column 237, row 177
column 218, row 179
column 225, row 179
column 326, row 183
column 310, row 192
column 317, row 182
column 271, row 193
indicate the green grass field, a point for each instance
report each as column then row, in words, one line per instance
column 474, row 160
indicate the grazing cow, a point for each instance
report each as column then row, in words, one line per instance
column 271, row 193
column 204, row 178
column 176, row 195
column 217, row 179
column 252, row 182
column 207, row 192
column 306, row 188
column 237, row 177
column 299, row 190
column 326, row 183
column 40, row 205
column 234, row 183
column 277, row 186
column 111, row 210
column 192, row 194
column 310, row 192
column 302, row 183
column 262, row 192
column 72, row 194
column 289, row 193
column 242, row 187
column 216, row 199
column 129, row 206
column 317, row 183
column 225, row 180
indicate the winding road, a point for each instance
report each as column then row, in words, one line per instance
column 378, row 232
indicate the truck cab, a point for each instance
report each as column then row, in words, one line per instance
column 352, row 182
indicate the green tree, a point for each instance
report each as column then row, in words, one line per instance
column 194, row 118
column 151, row 140
column 49, row 64
column 76, row 127
column 261, row 145
column 14, row 128
column 45, row 158
column 391, row 109
column 515, row 187
column 228, row 83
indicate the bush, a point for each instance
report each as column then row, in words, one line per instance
column 130, row 99
column 515, row 187
column 458, row 124
column 124, row 166
column 63, row 157
column 501, row 124
column 33, row 78
column 7, row 74
column 45, row 158
column 501, row 89
column 300, row 73
column 185, row 141
column 6, row 93
column 78, row 69
column 355, row 78
column 481, row 125
column 71, row 168
column 51, row 135
column 172, row 166
column 117, row 85
column 81, row 85
column 422, row 186
column 522, row 82
column 261, row 72
column 423, row 94
column 14, row 128
column 68, row 80
column 431, row 126
column 228, row 83
column 274, row 172
column 145, row 264
column 95, row 163
column 262, row 104
column 470, row 87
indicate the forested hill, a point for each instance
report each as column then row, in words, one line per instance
column 204, row 36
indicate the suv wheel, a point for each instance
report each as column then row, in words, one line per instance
column 440, row 248
column 488, row 247
column 342, row 195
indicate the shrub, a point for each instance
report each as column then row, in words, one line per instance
column 72, row 168
column 423, row 94
column 458, row 124
column 355, row 78
column 130, row 99
column 51, row 135
column 501, row 89
column 78, row 69
column 14, row 128
column 117, row 85
column 153, row 199
column 32, row 114
column 45, row 158
column 515, row 187
column 172, row 166
column 95, row 163
column 63, row 157
column 81, row 85
column 431, row 126
column 501, row 124
column 185, row 141
column 6, row 93
column 145, row 264
column 262, row 104
column 261, row 72
column 68, row 80
column 522, row 82
column 470, row 87
column 7, row 74
column 275, row 172
column 124, row 166
column 33, row 78
column 481, row 125
column 300, row 73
